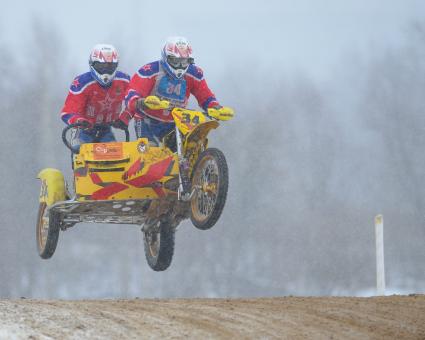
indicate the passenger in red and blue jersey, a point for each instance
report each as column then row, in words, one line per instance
column 173, row 78
column 96, row 97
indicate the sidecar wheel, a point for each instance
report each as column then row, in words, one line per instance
column 159, row 246
column 210, row 178
column 47, row 232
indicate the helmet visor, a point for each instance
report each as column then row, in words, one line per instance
column 179, row 63
column 104, row 68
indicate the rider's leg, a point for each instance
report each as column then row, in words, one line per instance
column 144, row 130
column 163, row 129
column 138, row 127
column 83, row 137
column 107, row 136
column 152, row 129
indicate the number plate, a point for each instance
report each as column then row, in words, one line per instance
column 187, row 120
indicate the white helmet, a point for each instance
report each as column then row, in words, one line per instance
column 176, row 56
column 103, row 63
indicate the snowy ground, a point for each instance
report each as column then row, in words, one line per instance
column 391, row 317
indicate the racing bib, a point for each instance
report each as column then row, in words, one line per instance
column 172, row 89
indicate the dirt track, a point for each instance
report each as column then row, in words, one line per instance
column 394, row 317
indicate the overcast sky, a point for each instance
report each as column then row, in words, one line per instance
column 307, row 35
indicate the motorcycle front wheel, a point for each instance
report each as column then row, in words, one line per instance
column 210, row 179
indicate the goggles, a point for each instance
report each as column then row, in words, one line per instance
column 179, row 63
column 104, row 68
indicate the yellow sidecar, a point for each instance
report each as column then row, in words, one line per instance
column 134, row 182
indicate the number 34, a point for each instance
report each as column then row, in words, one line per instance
column 186, row 118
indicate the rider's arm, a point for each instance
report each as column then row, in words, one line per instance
column 200, row 89
column 125, row 116
column 140, row 86
column 71, row 111
column 75, row 104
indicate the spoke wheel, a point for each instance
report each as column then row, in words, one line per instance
column 159, row 246
column 210, row 179
column 47, row 232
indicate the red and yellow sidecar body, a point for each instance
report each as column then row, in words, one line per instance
column 124, row 170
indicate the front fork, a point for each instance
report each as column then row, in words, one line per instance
column 184, row 192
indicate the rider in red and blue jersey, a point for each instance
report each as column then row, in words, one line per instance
column 96, row 97
column 173, row 78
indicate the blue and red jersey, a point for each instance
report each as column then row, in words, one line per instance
column 152, row 79
column 88, row 99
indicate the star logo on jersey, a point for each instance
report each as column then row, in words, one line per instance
column 106, row 103
column 198, row 70
column 147, row 67
column 75, row 83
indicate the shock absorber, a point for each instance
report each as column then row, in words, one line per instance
column 184, row 171
column 184, row 192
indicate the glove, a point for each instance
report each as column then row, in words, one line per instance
column 84, row 123
column 119, row 124
column 153, row 103
column 221, row 112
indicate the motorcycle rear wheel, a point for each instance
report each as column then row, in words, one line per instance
column 159, row 246
column 210, row 178
column 47, row 232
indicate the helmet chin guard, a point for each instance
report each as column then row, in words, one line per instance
column 103, row 63
column 103, row 79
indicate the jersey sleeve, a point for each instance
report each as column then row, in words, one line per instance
column 75, row 103
column 141, row 85
column 200, row 88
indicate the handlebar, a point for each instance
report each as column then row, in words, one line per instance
column 96, row 127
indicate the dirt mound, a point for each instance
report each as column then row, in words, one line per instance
column 393, row 317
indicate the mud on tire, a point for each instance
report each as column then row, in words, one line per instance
column 211, row 177
column 47, row 232
column 159, row 246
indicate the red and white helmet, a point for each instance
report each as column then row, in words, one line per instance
column 103, row 63
column 177, row 56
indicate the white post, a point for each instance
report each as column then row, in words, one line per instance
column 380, row 269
